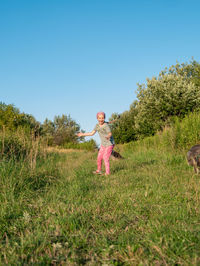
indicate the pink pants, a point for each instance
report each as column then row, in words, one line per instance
column 104, row 154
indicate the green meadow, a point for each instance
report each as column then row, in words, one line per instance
column 147, row 212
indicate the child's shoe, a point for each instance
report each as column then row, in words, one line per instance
column 97, row 172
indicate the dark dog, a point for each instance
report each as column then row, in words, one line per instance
column 193, row 157
column 115, row 155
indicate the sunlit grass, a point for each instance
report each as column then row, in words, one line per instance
column 146, row 212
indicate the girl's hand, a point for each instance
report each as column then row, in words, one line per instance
column 80, row 134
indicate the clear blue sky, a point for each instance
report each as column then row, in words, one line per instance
column 77, row 57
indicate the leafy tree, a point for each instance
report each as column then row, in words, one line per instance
column 173, row 93
column 29, row 124
column 60, row 131
column 11, row 119
column 8, row 116
column 123, row 129
column 191, row 71
column 48, row 129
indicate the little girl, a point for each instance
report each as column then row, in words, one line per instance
column 107, row 142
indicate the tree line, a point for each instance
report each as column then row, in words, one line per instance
column 174, row 93
column 60, row 131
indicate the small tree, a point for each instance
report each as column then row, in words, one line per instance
column 61, row 131
column 123, row 129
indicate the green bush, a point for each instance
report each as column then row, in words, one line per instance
column 123, row 128
column 174, row 93
column 181, row 135
column 167, row 96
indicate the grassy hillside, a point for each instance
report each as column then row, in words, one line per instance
column 146, row 213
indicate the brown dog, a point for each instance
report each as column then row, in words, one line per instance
column 193, row 157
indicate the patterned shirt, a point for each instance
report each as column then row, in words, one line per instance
column 103, row 133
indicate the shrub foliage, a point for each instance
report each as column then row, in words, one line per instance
column 61, row 130
column 174, row 93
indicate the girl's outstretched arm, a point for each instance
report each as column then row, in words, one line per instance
column 115, row 120
column 81, row 134
column 112, row 121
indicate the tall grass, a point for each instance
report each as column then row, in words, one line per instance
column 13, row 146
column 19, row 146
column 145, row 213
column 185, row 133
column 181, row 135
